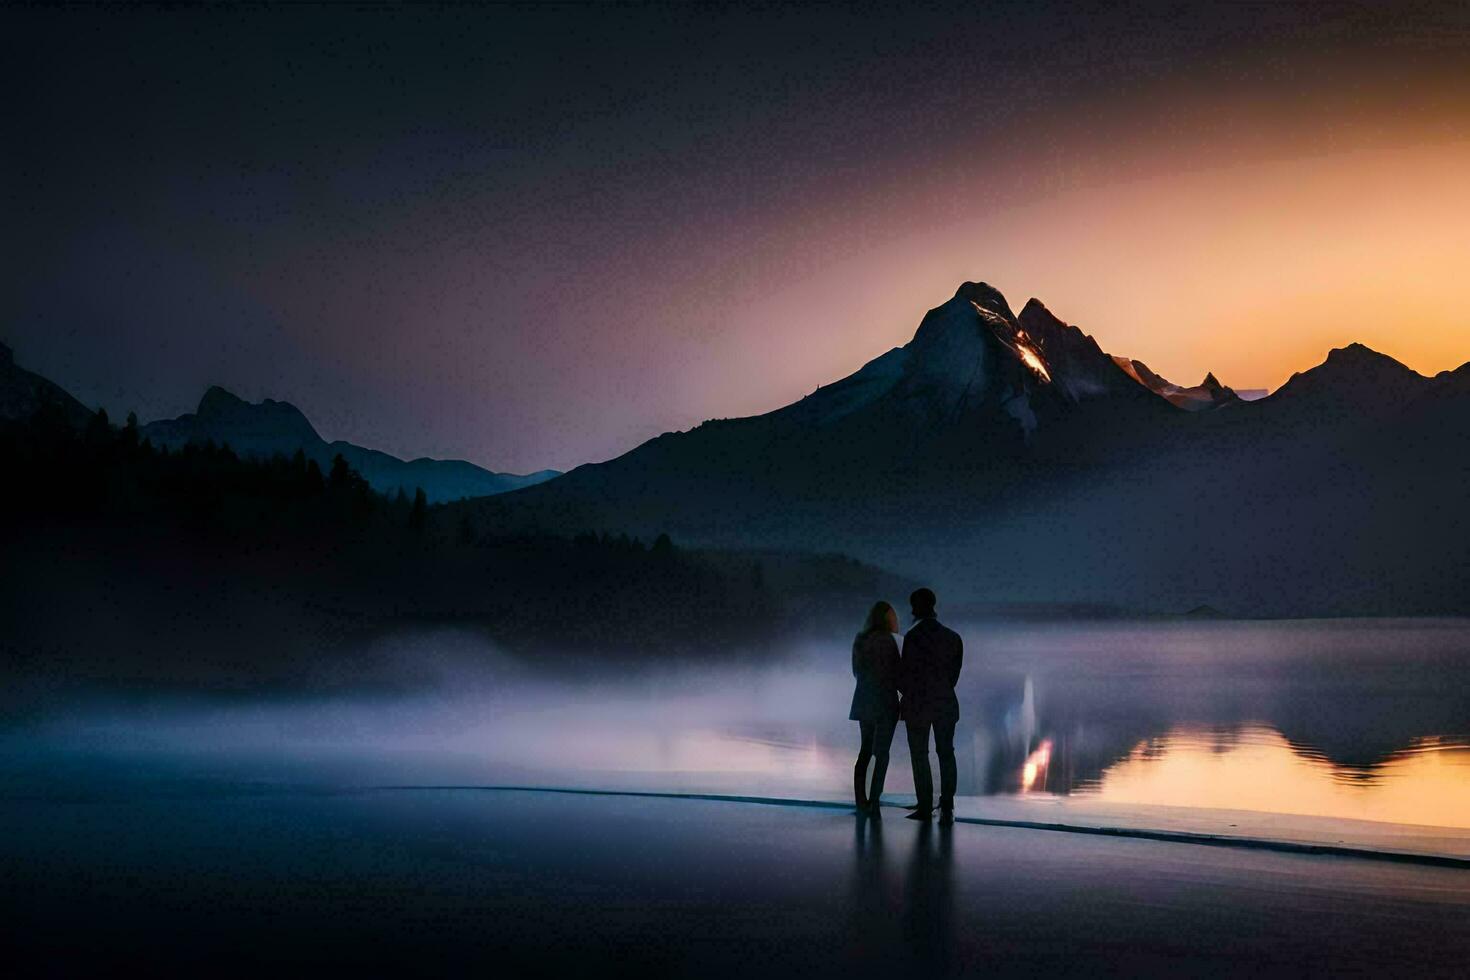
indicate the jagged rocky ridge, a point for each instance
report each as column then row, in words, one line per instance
column 1206, row 395
column 1008, row 459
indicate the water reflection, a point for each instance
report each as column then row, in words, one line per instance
column 1346, row 767
column 874, row 901
column 1253, row 767
column 929, row 891
column 902, row 915
column 1036, row 768
column 1363, row 720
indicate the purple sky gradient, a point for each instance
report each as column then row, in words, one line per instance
column 536, row 238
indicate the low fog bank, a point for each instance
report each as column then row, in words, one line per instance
column 449, row 707
column 436, row 705
column 123, row 610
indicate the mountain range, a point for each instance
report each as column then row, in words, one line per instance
column 24, row 393
column 268, row 428
column 1208, row 394
column 1008, row 459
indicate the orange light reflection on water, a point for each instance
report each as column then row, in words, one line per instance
column 1035, row 766
column 1257, row 769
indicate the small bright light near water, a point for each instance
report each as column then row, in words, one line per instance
column 1362, row 719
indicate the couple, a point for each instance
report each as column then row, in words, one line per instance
column 925, row 675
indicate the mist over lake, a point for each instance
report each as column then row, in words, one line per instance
column 735, row 490
column 1356, row 719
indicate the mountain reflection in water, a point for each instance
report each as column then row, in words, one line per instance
column 1367, row 720
column 1359, row 719
column 1254, row 768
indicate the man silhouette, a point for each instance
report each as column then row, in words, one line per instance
column 928, row 672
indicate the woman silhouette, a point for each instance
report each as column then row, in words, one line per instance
column 874, row 702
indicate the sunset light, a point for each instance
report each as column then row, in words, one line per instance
column 1033, row 361
column 650, row 489
column 1035, row 766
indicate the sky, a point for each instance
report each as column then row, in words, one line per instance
column 537, row 236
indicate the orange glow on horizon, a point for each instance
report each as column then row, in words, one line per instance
column 1253, row 267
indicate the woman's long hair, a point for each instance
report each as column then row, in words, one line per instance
column 877, row 621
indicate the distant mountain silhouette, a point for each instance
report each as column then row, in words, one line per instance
column 1353, row 380
column 23, row 394
column 1013, row 460
column 1208, row 394
column 271, row 427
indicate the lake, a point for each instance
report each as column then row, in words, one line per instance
column 378, row 828
column 1359, row 719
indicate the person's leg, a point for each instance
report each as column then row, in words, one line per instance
column 860, row 770
column 882, row 739
column 948, row 771
column 918, row 733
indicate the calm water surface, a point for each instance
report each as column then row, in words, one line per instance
column 1361, row 719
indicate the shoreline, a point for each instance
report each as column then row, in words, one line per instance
column 1457, row 855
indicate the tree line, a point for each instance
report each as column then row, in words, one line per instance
column 201, row 564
